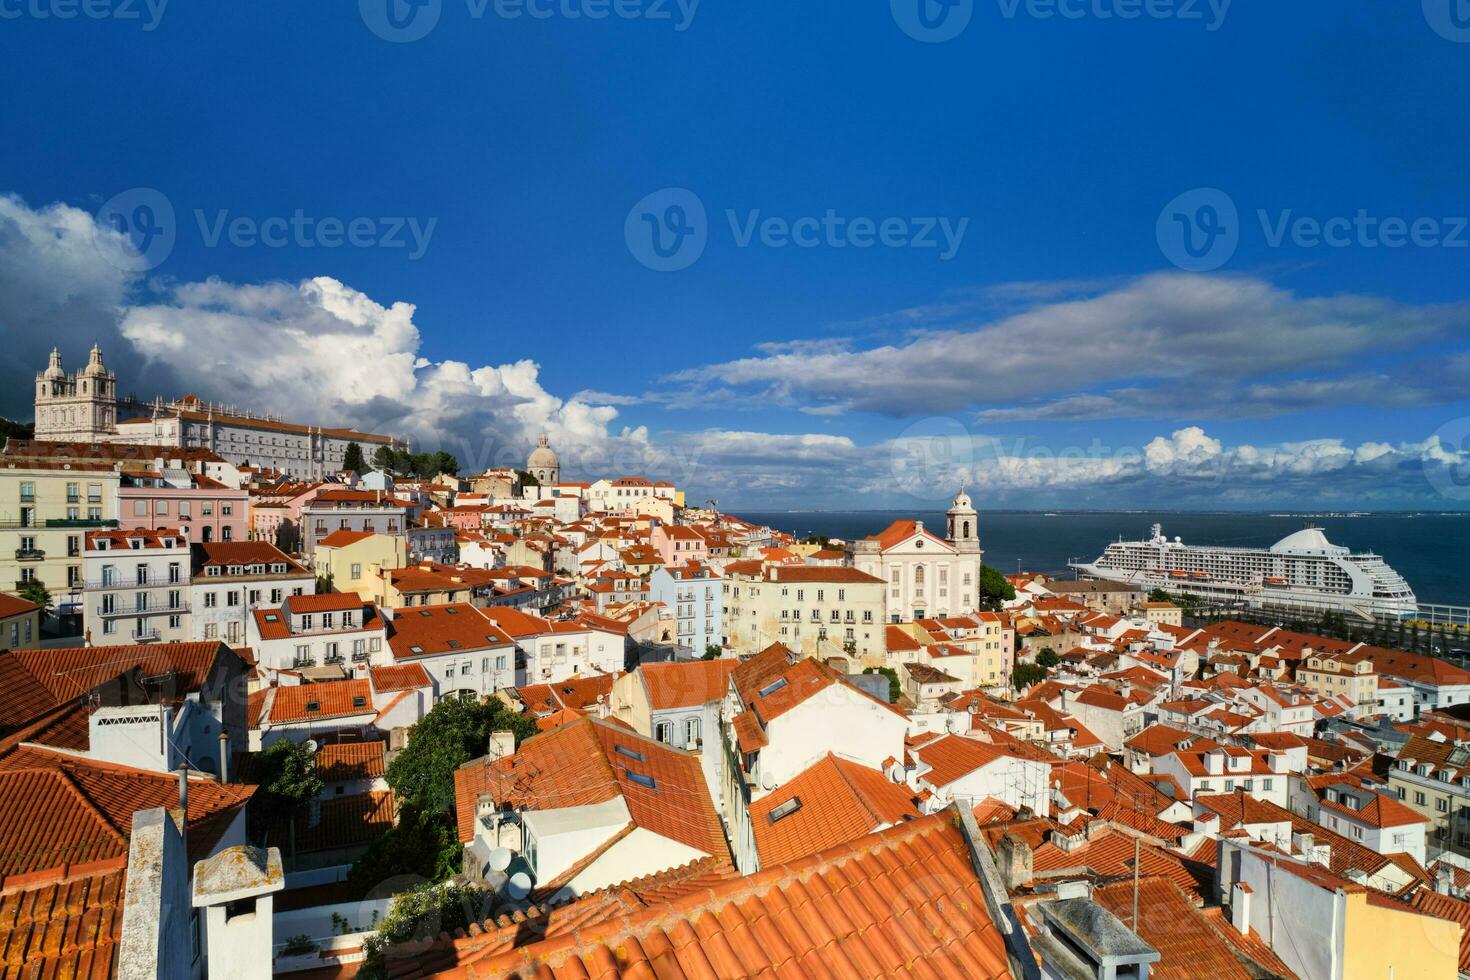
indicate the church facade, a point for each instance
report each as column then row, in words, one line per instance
column 926, row 576
column 85, row 407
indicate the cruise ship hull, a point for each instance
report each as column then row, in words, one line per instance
column 1303, row 573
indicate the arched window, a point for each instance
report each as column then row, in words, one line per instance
column 966, row 533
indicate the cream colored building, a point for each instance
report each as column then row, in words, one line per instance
column 351, row 560
column 816, row 610
column 1351, row 674
column 1162, row 613
column 926, row 575
column 46, row 510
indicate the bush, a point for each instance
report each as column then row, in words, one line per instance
column 419, row 915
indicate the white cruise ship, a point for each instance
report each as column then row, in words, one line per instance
column 1302, row 571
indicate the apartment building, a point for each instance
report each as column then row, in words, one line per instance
column 137, row 587
column 815, row 610
column 231, row 579
column 351, row 510
column 1348, row 674
column 46, row 510
column 692, row 593
column 319, row 631
column 199, row 507
column 1433, row 778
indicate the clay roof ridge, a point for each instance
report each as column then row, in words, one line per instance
column 92, row 808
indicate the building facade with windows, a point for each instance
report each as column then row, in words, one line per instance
column 926, row 575
column 232, row 579
column 351, row 510
column 137, row 587
column 319, row 631
column 463, row 652
column 46, row 510
column 692, row 593
column 200, row 508
column 816, row 610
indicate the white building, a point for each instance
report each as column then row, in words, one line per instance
column 329, row 630
column 925, row 575
column 232, row 579
column 137, row 586
column 958, row 769
column 462, row 651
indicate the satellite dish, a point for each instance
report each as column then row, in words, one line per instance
column 311, row 746
column 519, row 886
column 500, row 858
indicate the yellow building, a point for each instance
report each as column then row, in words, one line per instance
column 1331, row 674
column 46, row 510
column 351, row 560
column 1162, row 613
column 986, row 636
column 816, row 610
column 20, row 623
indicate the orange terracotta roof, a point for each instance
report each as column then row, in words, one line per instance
column 852, row 911
column 591, row 761
column 954, row 756
column 421, row 631
column 12, row 605
column 574, row 692
column 331, row 699
column 1169, row 921
column 400, row 677
column 345, row 761
column 344, row 538
column 68, row 928
column 679, row 685
column 324, row 602
column 835, row 801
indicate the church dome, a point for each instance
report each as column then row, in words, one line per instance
column 543, row 457
column 95, row 367
column 962, row 502
column 54, row 371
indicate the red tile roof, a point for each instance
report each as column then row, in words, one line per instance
column 905, row 902
column 344, row 538
column 400, row 677
column 330, row 699
column 422, row 631
column 1170, row 922
column 591, row 761
column 347, row 761
column 955, row 756
column 67, row 929
column 11, row 605
column 680, row 685
column 839, row 801
column 324, row 602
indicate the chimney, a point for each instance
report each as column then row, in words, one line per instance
column 1014, row 856
column 502, row 744
column 1240, row 907
column 1444, row 879
column 224, row 757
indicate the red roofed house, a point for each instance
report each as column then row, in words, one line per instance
column 330, row 630
column 586, row 806
column 954, row 768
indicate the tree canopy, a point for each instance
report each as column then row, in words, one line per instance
column 352, row 460
column 994, row 588
column 287, row 774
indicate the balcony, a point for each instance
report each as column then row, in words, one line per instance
column 149, row 635
column 29, row 554
column 136, row 610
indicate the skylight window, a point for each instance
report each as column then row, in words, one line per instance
column 313, row 706
column 772, row 688
column 647, row 782
column 359, row 701
column 785, row 809
column 624, row 750
column 452, row 611
column 453, row 644
column 415, row 649
column 272, row 618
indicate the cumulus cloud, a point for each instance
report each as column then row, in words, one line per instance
column 322, row 350
column 1172, row 329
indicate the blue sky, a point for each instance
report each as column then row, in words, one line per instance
column 1059, row 357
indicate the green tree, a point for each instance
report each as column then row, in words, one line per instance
column 454, row 732
column 1024, row 675
column 1159, row 595
column 422, row 914
column 527, row 480
column 994, row 589
column 445, row 463
column 383, row 458
column 895, row 688
column 36, row 591
column 712, row 651
column 1048, row 658
column 352, row 460
column 288, row 776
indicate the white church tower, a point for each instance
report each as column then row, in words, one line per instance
column 964, row 525
column 76, row 408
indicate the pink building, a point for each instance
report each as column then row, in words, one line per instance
column 678, row 545
column 202, row 508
